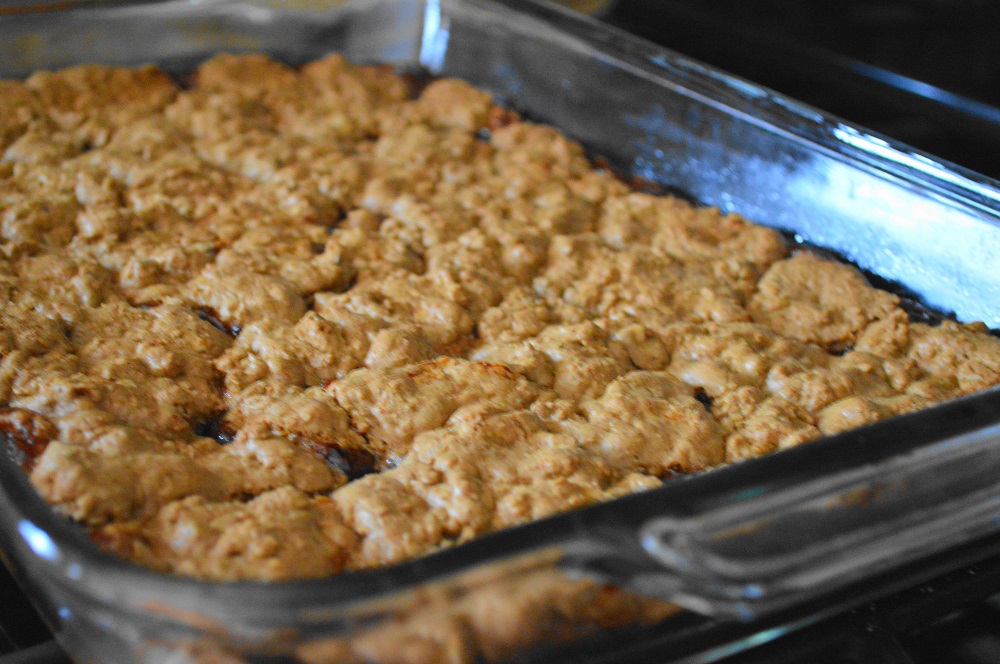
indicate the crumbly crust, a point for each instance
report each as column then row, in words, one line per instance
column 413, row 320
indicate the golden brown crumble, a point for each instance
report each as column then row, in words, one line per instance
column 412, row 322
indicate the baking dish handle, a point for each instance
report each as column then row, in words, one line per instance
column 772, row 548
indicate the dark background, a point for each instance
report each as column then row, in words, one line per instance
column 925, row 72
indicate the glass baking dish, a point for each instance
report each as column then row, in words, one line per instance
column 734, row 556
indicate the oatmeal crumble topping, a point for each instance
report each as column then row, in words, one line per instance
column 288, row 322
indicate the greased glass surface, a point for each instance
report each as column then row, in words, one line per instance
column 740, row 149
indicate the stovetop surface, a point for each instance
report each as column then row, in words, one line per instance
column 20, row 626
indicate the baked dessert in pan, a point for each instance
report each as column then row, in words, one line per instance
column 284, row 323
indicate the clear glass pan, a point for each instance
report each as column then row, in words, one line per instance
column 751, row 541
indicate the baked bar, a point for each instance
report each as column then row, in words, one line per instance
column 282, row 323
